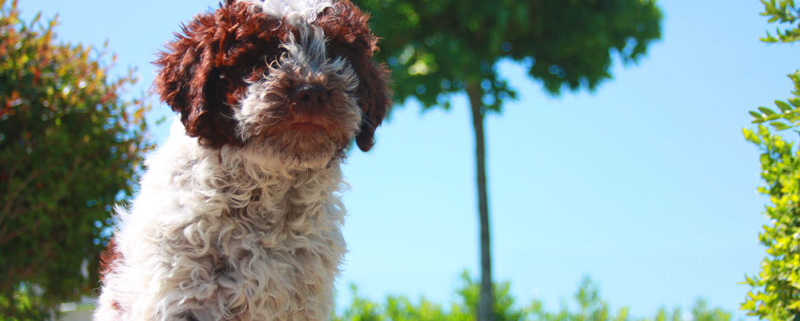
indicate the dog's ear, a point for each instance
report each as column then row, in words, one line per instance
column 374, row 98
column 195, row 77
column 348, row 29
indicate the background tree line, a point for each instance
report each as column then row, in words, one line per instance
column 586, row 305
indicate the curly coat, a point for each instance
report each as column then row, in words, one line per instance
column 238, row 217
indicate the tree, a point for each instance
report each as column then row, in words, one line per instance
column 69, row 147
column 587, row 306
column 775, row 293
column 439, row 48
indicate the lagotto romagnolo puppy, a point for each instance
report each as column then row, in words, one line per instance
column 238, row 216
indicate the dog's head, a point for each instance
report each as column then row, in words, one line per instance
column 293, row 79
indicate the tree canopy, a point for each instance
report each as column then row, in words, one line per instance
column 69, row 147
column 436, row 48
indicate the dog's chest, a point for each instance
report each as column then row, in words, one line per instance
column 270, row 252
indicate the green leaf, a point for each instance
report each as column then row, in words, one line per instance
column 766, row 111
column 784, row 107
column 779, row 125
column 751, row 136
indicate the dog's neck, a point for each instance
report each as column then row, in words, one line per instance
column 234, row 181
column 255, row 188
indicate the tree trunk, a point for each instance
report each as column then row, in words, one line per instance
column 485, row 311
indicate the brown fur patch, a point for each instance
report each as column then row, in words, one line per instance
column 108, row 258
column 203, row 70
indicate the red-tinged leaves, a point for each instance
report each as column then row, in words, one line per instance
column 66, row 154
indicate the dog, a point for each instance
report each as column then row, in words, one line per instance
column 238, row 216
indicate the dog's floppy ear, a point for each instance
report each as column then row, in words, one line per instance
column 191, row 79
column 348, row 29
column 374, row 98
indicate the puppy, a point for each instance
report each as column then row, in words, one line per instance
column 238, row 216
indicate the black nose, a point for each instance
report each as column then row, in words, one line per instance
column 311, row 95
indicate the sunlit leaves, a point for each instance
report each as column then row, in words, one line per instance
column 787, row 113
column 784, row 12
column 69, row 146
column 775, row 293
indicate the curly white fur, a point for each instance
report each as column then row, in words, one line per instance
column 216, row 235
column 295, row 11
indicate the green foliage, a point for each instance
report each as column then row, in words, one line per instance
column 787, row 114
column 775, row 293
column 23, row 305
column 587, row 306
column 776, row 289
column 69, row 146
column 439, row 47
column 783, row 11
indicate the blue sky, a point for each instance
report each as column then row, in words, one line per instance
column 646, row 185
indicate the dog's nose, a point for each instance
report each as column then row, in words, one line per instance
column 311, row 96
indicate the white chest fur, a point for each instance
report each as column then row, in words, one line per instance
column 217, row 233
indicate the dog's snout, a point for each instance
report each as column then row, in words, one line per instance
column 311, row 95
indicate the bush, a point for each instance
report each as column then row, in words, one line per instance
column 69, row 147
column 775, row 293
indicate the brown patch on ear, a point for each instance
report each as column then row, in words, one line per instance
column 349, row 36
column 202, row 71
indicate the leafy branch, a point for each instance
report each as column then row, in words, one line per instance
column 784, row 12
